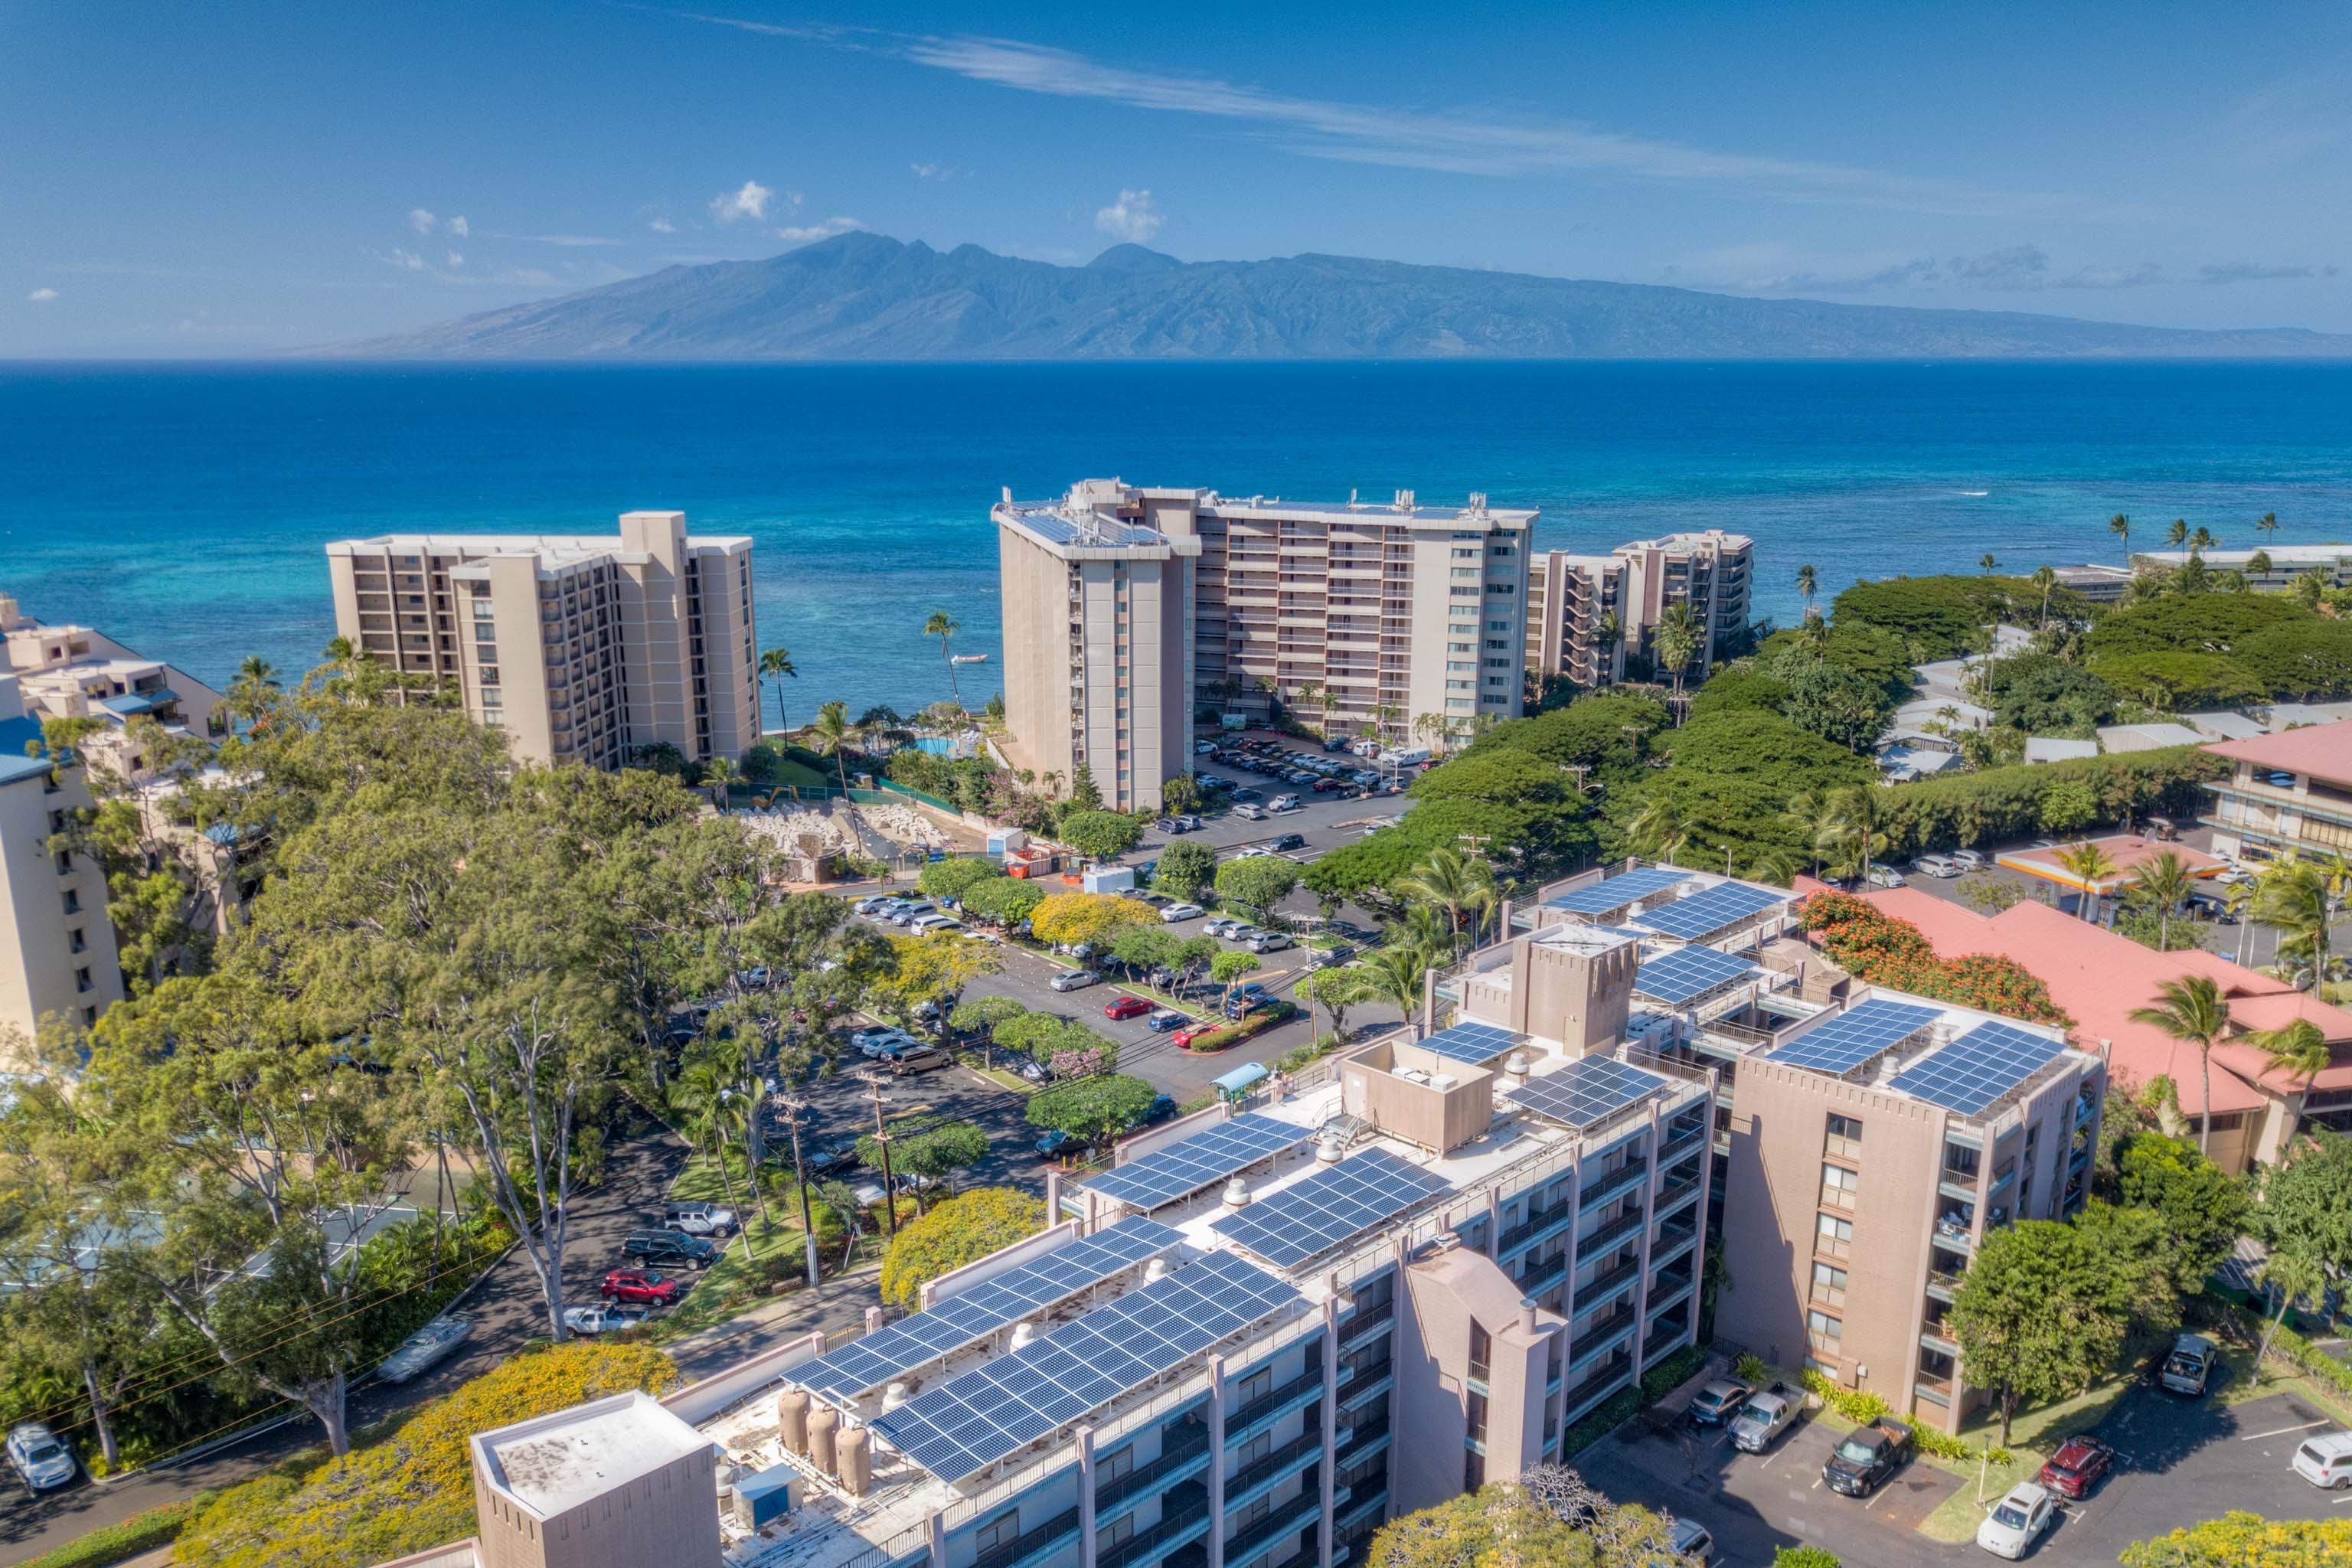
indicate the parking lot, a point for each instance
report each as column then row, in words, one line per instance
column 2180, row 1461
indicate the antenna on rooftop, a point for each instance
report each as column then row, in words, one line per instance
column 1477, row 503
column 1404, row 501
column 1351, row 498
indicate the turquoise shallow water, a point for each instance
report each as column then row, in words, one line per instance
column 182, row 507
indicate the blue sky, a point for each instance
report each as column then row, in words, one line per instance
column 228, row 179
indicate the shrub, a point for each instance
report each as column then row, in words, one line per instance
column 113, row 1544
column 957, row 1231
column 1862, row 1408
column 1872, row 945
column 1226, row 1036
column 414, row 1488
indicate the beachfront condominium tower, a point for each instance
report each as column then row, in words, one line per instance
column 582, row 648
column 1576, row 617
column 1708, row 571
column 1128, row 612
column 57, row 944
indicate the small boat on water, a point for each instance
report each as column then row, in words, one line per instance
column 969, row 659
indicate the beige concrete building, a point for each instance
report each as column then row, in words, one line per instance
column 582, row 649
column 1130, row 611
column 1708, row 571
column 1576, row 616
column 56, row 946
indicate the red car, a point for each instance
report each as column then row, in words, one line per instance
column 2078, row 1466
column 636, row 1286
column 1127, row 1007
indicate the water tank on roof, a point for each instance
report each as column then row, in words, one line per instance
column 792, row 1416
column 824, row 1426
column 856, row 1461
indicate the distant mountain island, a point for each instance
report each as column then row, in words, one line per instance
column 868, row 297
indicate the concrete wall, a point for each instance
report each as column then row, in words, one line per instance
column 668, row 1515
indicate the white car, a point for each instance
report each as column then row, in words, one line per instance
column 2325, row 1461
column 879, row 1044
column 602, row 1319
column 1970, row 859
column 1255, row 852
column 43, row 1462
column 1267, row 941
column 425, row 1349
column 879, row 1034
column 1885, row 877
column 929, row 923
column 1175, row 912
column 2017, row 1521
column 1283, row 803
column 1940, row 866
column 1251, row 810
column 1076, row 980
column 1693, row 1543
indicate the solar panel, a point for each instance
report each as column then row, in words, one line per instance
column 1687, row 974
column 1979, row 1067
column 1588, row 1090
column 973, row 1421
column 1201, row 1161
column 1702, row 914
column 1616, row 893
column 1842, row 1044
column 1323, row 1211
column 970, row 1316
column 1477, row 1044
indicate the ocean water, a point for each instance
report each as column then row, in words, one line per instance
column 182, row 507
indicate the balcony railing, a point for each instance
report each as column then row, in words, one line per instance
column 1681, row 1149
column 1612, row 1184
column 1675, row 1194
column 1599, row 1338
column 1615, row 1231
column 1030, row 1543
column 1365, row 1318
column 1602, row 1285
column 1672, row 1239
column 1186, row 1445
column 1608, row 1380
column 1287, row 1519
column 1183, row 1513
column 1246, row 1483
column 1267, row 1406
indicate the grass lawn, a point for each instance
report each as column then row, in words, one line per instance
column 1004, row 1079
column 733, row 1283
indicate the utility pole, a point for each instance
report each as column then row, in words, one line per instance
column 793, row 1105
column 882, row 1137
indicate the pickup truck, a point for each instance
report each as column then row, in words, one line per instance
column 1867, row 1456
column 1765, row 1416
column 2189, row 1366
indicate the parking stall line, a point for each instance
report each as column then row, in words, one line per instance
column 2282, row 1431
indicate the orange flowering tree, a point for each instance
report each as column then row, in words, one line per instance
column 1872, row 945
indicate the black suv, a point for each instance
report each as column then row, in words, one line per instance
column 673, row 1248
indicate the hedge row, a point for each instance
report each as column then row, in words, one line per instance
column 1226, row 1036
column 2007, row 803
column 1862, row 1408
column 117, row 1543
column 1622, row 1406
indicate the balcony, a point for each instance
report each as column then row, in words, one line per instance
column 1935, row 1390
column 1673, row 1241
column 1593, row 1389
column 1183, row 1516
column 1246, row 1422
column 1031, row 1544
column 1627, row 1224
column 1253, row 1481
column 1607, row 1283
column 1598, row 1339
column 1682, row 1149
column 1183, row 1452
column 1675, row 1194
column 1532, row 1230
column 1943, row 1287
column 1363, row 1320
column 1286, row 1521
column 1672, row 1290
column 1609, row 1186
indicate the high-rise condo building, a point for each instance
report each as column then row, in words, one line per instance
column 582, row 649
column 1709, row 571
column 1576, row 617
column 56, row 946
column 1127, row 610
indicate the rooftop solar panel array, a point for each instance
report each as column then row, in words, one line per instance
column 1865, row 1030
column 973, row 1421
column 970, row 1316
column 1588, row 1090
column 1202, row 1160
column 1312, row 1217
column 1616, row 893
column 1477, row 1044
column 1060, row 529
column 1702, row 914
column 1687, row 974
column 1979, row 1067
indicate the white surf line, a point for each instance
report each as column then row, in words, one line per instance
column 2282, row 1431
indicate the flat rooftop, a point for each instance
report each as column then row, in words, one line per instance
column 1956, row 1058
column 554, row 546
column 2128, row 852
column 554, row 1464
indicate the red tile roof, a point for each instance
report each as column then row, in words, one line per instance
column 2321, row 750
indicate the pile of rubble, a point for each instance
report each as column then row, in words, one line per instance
column 805, row 833
column 903, row 825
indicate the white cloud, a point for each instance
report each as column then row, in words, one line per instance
column 2258, row 272
column 932, row 170
column 1132, row 217
column 455, row 260
column 40, row 296
column 750, row 202
column 662, row 226
column 404, row 259
column 421, row 221
column 810, row 233
column 458, row 226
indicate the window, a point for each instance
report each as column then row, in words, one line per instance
column 1474, row 1416
column 1824, row 1333
column 1474, row 1471
column 82, row 979
column 1116, row 1532
column 1482, row 1345
column 1844, row 1137
column 1256, row 1385
column 1256, row 1448
column 1254, row 1514
column 1114, row 1466
column 998, row 1531
column 73, row 903
column 1829, row 1284
column 1833, row 1237
column 1839, row 1187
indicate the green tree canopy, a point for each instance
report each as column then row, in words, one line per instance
column 2041, row 1314
column 2240, row 1540
column 1186, row 869
column 933, row 1151
column 1731, row 689
column 2203, row 1208
column 960, row 1230
column 1547, row 1518
column 1260, row 881
column 1003, row 900
column 2042, row 694
column 1092, row 917
column 954, row 877
column 1093, row 1110
column 1099, row 835
column 2307, row 1200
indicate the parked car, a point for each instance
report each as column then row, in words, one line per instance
column 1174, row 913
column 1166, row 1019
column 1186, row 822
column 1867, row 1456
column 638, row 1288
column 926, row 925
column 1692, row 1543
column 1941, row 866
column 832, row 1159
column 425, row 1349
column 881, row 1042
column 1073, row 979
column 670, row 1246
column 1242, row 1006
column 1053, row 1143
column 1162, row 1108
column 1326, row 786
column 1225, row 926
column 1970, row 859
column 1255, row 852
column 2017, row 1521
column 879, row 1034
column 1267, row 941
column 1251, row 812
column 1325, row 957
column 1167, row 824
column 40, row 1461
column 907, row 914
column 702, row 1219
column 2078, row 1466
column 1243, row 795
column 1284, row 803
column 1885, row 877
column 602, row 1320
column 2211, row 907
column 1765, row 1416
column 2188, row 1365
column 1126, row 1007
column 1718, row 1401
column 2325, row 1461
column 905, row 1063
column 1289, row 841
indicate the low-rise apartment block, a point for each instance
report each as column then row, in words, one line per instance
column 56, row 946
column 2290, row 793
column 2279, row 566
column 581, row 649
column 1128, row 611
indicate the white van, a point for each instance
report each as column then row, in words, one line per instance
column 1936, row 865
column 1411, row 757
column 2325, row 1461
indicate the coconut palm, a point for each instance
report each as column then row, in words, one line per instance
column 1397, row 974
column 2294, row 899
column 2288, row 1276
column 2176, row 533
column 1675, row 642
column 2089, row 865
column 721, row 775
column 1988, row 561
column 775, row 665
column 2204, row 538
column 944, row 626
column 1608, row 631
column 2045, row 579
column 2120, row 526
column 1658, row 829
column 2193, row 1011
column 1808, row 581
column 2300, row 1051
column 1850, row 823
column 1455, row 883
column 2257, row 565
column 697, row 1098
column 1773, row 863
column 248, row 696
column 834, row 733
column 1813, row 819
column 2268, row 523
column 1430, row 729
column 2163, row 884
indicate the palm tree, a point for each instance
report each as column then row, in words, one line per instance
column 1987, row 563
column 697, row 1098
column 1814, row 820
column 2194, row 1011
column 2300, row 1051
column 1850, row 822
column 2089, row 865
column 1807, row 583
column 1454, row 882
column 1774, row 863
column 1658, row 829
column 1675, row 640
column 2294, row 899
column 834, row 733
column 1385, row 714
column 775, row 664
column 1430, row 729
column 2163, row 884
column 721, row 774
column 1607, row 632
column 2176, row 533
column 943, row 626
column 2268, row 523
column 2202, row 539
column 2289, row 1277
column 2120, row 526
column 1398, row 974
column 249, row 694
column 2045, row 579
column 2257, row 565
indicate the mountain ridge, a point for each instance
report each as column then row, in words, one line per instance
column 863, row 296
